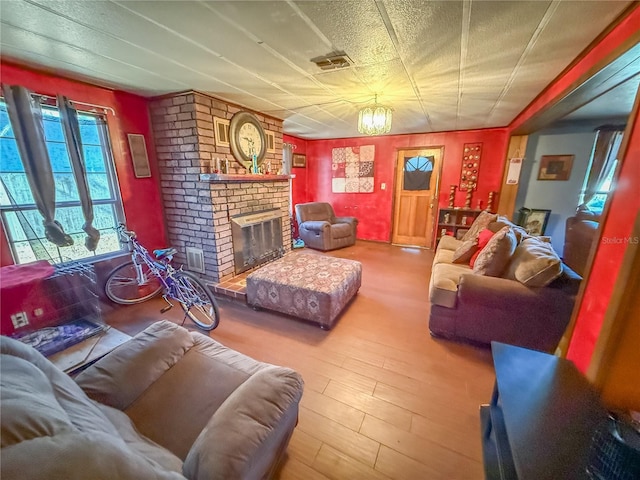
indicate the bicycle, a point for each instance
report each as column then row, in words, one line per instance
column 145, row 277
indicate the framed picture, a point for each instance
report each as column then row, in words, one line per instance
column 299, row 160
column 555, row 167
column 534, row 220
column 139, row 156
column 221, row 127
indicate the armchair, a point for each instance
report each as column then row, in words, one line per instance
column 167, row 404
column 321, row 229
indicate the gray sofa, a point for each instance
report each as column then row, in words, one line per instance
column 580, row 232
column 321, row 229
column 168, row 404
column 480, row 309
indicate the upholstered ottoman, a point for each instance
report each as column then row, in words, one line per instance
column 305, row 285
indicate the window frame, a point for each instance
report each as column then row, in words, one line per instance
column 115, row 199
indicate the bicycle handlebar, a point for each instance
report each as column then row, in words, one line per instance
column 122, row 229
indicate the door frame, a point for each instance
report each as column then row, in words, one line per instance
column 436, row 194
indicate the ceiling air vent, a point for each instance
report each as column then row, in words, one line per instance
column 333, row 61
column 195, row 259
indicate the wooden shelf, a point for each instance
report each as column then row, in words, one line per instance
column 237, row 178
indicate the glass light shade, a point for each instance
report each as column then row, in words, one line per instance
column 374, row 120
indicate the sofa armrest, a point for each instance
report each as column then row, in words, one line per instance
column 351, row 220
column 120, row 377
column 316, row 225
column 248, row 433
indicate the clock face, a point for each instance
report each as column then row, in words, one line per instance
column 250, row 141
column 246, row 139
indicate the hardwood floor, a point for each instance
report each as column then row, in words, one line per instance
column 383, row 400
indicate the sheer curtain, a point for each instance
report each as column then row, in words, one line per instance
column 604, row 158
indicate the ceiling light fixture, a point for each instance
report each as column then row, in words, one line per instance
column 375, row 119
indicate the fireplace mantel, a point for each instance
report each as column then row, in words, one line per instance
column 237, row 178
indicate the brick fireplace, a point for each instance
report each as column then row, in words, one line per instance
column 200, row 206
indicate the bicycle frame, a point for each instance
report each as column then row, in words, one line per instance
column 160, row 268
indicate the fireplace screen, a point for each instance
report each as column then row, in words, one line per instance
column 257, row 238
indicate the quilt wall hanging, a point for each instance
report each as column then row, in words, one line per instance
column 352, row 169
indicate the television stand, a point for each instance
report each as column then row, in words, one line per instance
column 541, row 419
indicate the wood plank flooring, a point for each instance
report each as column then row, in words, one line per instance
column 383, row 400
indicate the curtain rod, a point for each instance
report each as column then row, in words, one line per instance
column 106, row 109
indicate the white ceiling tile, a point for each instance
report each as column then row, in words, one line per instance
column 257, row 54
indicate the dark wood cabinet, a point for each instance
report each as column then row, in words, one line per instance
column 541, row 419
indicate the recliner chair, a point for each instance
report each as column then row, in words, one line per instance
column 321, row 229
column 168, row 404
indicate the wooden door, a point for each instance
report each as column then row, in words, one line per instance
column 415, row 195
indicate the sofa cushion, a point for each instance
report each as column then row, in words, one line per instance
column 494, row 258
column 443, row 256
column 447, row 242
column 465, row 251
column 483, row 239
column 480, row 223
column 341, row 230
column 534, row 263
column 443, row 289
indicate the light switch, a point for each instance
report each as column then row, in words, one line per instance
column 383, row 186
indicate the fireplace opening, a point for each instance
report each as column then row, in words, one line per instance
column 257, row 238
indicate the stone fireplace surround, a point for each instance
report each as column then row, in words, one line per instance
column 198, row 205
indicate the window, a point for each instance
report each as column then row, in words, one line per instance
column 599, row 199
column 599, row 179
column 22, row 221
column 417, row 173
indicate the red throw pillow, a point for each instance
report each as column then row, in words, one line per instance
column 483, row 238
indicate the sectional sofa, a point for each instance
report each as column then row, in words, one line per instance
column 480, row 308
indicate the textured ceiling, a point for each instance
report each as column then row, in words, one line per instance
column 448, row 65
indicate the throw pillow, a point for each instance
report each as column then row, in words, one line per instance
column 483, row 238
column 493, row 258
column 502, row 222
column 534, row 263
column 480, row 223
column 465, row 251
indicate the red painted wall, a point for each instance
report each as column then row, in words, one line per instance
column 299, row 183
column 375, row 210
column 616, row 236
column 624, row 205
column 140, row 196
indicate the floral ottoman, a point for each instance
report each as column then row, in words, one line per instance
column 309, row 286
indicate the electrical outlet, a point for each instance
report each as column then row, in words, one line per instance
column 383, row 186
column 19, row 319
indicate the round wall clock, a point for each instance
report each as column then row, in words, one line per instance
column 247, row 138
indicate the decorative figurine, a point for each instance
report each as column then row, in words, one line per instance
column 452, row 195
column 467, row 200
column 490, row 202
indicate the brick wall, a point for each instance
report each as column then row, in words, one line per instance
column 197, row 212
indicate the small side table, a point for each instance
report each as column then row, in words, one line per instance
column 79, row 356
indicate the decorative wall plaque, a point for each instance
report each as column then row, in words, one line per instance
column 471, row 155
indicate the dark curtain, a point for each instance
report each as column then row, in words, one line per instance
column 71, row 129
column 25, row 115
column 604, row 159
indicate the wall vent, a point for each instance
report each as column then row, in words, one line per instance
column 195, row 259
column 333, row 61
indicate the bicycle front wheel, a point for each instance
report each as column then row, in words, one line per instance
column 122, row 285
column 197, row 301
